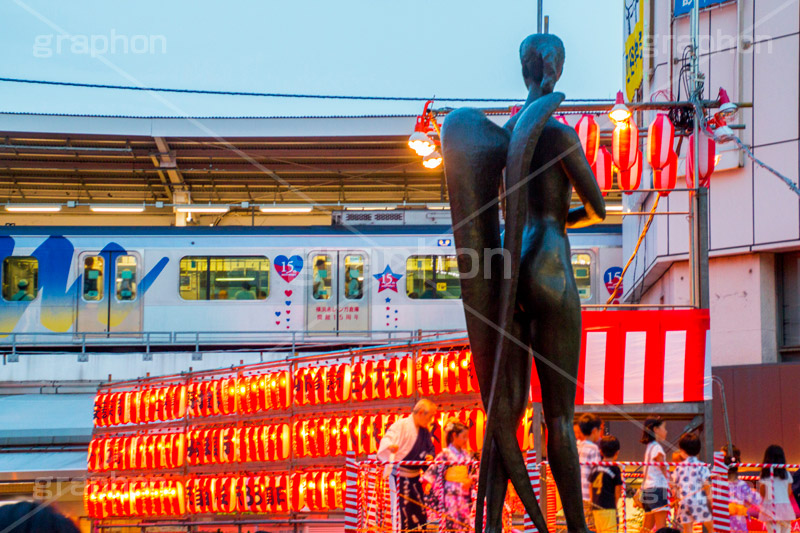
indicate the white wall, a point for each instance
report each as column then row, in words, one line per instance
column 750, row 210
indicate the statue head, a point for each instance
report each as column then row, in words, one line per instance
column 542, row 58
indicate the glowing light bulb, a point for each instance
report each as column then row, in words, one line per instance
column 432, row 160
column 421, row 143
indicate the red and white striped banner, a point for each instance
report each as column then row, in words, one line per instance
column 642, row 357
column 533, row 475
column 351, row 493
column 720, row 493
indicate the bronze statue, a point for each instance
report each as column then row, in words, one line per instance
column 525, row 297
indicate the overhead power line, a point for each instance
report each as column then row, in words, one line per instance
column 271, row 95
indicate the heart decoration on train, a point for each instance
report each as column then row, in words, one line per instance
column 288, row 268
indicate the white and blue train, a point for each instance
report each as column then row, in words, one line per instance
column 310, row 282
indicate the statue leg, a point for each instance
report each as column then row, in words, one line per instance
column 514, row 378
column 497, row 482
column 557, row 348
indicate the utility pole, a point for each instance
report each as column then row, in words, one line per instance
column 698, row 198
column 539, row 16
column 698, row 218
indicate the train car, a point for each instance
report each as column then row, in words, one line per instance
column 305, row 282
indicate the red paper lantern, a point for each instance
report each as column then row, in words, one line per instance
column 667, row 177
column 589, row 135
column 602, row 170
column 707, row 149
column 391, row 376
column 660, row 137
column 562, row 119
column 405, row 378
column 368, row 390
column 630, row 179
column 280, row 494
column 625, row 144
column 477, row 426
column 451, row 370
column 298, row 491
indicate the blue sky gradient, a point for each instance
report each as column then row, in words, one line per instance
column 446, row 48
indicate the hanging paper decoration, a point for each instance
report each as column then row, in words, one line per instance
column 602, row 170
column 667, row 177
column 660, row 138
column 630, row 179
column 562, row 119
column 625, row 144
column 589, row 135
column 707, row 149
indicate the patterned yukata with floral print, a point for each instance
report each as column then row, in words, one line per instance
column 743, row 495
column 451, row 500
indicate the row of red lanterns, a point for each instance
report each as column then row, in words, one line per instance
column 319, row 437
column 215, row 494
column 242, row 395
column 135, row 497
column 159, row 404
column 391, row 378
column 147, row 452
column 234, row 445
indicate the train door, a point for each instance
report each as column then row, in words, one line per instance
column 337, row 299
column 109, row 299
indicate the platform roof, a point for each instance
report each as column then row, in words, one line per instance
column 260, row 160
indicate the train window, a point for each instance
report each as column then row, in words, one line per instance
column 321, row 289
column 126, row 278
column 93, row 268
column 354, row 277
column 20, row 279
column 431, row 277
column 224, row 278
column 582, row 269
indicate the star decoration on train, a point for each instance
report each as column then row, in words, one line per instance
column 387, row 279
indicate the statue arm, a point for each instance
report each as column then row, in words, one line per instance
column 580, row 174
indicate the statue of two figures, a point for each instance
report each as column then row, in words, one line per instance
column 521, row 298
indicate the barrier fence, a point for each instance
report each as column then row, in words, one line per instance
column 369, row 490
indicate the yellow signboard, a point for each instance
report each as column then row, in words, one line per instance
column 633, row 28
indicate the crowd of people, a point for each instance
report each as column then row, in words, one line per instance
column 686, row 490
column 669, row 497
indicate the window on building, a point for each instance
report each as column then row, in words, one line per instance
column 20, row 279
column 93, row 284
column 432, row 277
column 224, row 278
column 322, row 281
column 582, row 270
column 789, row 266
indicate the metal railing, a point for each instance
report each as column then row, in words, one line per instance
column 14, row 343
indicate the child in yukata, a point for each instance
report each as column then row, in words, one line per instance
column 742, row 494
column 693, row 486
column 451, row 482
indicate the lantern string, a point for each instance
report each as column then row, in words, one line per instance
column 272, row 95
column 635, row 251
column 760, row 163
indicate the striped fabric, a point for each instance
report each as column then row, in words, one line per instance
column 642, row 357
column 351, row 494
column 720, row 494
column 533, row 475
